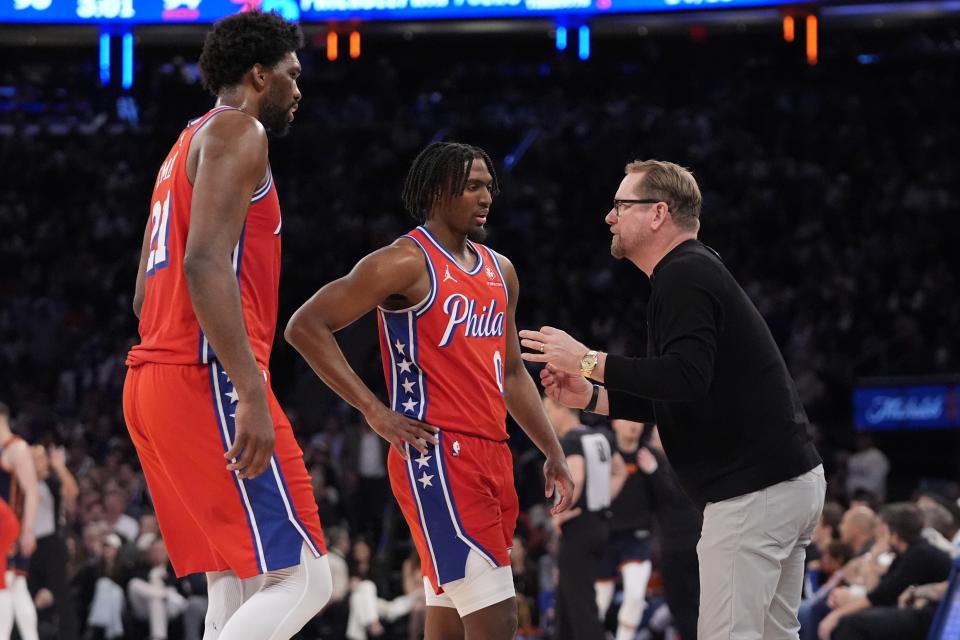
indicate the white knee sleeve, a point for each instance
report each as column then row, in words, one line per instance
column 286, row 601
column 604, row 590
column 224, row 596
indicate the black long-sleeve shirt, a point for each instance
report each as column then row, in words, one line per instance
column 714, row 381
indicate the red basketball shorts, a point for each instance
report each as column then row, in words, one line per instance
column 181, row 421
column 9, row 532
column 457, row 498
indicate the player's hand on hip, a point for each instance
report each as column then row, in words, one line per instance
column 553, row 346
column 254, row 440
column 399, row 430
column 558, row 479
column 28, row 543
column 570, row 390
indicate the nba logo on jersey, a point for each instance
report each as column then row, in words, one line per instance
column 456, row 448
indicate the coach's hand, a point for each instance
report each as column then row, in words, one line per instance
column 253, row 444
column 553, row 346
column 570, row 390
column 558, row 478
column 397, row 429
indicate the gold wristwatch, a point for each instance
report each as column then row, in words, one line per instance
column 588, row 363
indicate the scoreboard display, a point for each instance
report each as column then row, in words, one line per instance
column 134, row 12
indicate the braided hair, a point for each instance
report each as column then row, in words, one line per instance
column 439, row 172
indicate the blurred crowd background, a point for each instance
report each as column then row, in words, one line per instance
column 828, row 190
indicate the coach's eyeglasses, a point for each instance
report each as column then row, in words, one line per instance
column 620, row 205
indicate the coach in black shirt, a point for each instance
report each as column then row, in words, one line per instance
column 729, row 416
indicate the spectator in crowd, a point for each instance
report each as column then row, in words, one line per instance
column 47, row 576
column 939, row 527
column 336, row 613
column 856, row 614
column 368, row 611
column 114, row 506
column 154, row 598
column 867, row 469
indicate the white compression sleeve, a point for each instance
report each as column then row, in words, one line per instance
column 286, row 601
column 225, row 593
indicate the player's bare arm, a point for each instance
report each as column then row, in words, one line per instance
column 227, row 161
column 20, row 461
column 394, row 277
column 523, row 402
column 139, row 290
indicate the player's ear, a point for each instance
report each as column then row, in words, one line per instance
column 258, row 74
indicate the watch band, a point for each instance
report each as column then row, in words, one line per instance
column 592, row 405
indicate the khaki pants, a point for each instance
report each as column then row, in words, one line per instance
column 752, row 551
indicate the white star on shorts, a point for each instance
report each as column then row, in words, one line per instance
column 425, row 480
column 410, row 404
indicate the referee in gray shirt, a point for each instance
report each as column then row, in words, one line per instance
column 730, row 420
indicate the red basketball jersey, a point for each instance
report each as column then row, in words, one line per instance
column 443, row 358
column 169, row 331
column 10, row 490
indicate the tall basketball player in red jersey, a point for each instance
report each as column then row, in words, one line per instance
column 452, row 360
column 228, row 481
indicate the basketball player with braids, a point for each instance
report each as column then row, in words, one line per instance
column 451, row 357
column 232, row 494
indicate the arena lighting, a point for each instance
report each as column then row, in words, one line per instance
column 332, row 45
column 788, row 29
column 127, row 71
column 583, row 41
column 104, row 58
column 561, row 38
column 812, row 40
column 354, row 44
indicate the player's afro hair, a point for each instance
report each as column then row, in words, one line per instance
column 240, row 41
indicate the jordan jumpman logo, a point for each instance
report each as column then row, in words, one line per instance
column 447, row 276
